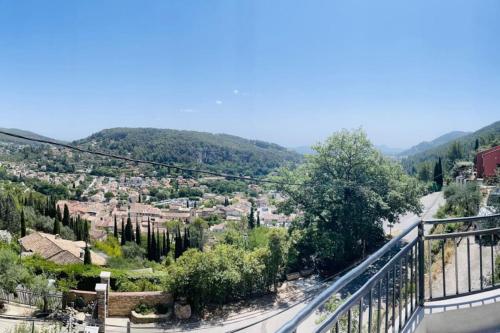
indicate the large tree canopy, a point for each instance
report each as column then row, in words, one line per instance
column 346, row 190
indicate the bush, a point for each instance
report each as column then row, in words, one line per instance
column 110, row 246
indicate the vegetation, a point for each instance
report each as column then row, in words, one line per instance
column 219, row 152
column 345, row 191
column 461, row 200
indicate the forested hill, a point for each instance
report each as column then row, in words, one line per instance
column 462, row 148
column 5, row 138
column 426, row 145
column 220, row 152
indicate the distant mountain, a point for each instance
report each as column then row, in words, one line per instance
column 426, row 145
column 5, row 138
column 464, row 148
column 219, row 152
column 303, row 150
column 389, row 151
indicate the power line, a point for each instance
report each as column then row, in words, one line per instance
column 139, row 161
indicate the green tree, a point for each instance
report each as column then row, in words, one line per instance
column 346, row 190
column 66, row 217
column 129, row 230
column 438, row 174
column 87, row 258
column 123, row 238
column 251, row 219
column 57, row 227
column 115, row 228
column 23, row 224
column 137, row 233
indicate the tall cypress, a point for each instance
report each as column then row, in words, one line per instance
column 258, row 219
column 87, row 258
column 65, row 220
column 158, row 245
column 115, row 229
column 137, row 232
column 251, row 219
column 23, row 224
column 57, row 227
column 129, row 230
column 58, row 213
column 153, row 245
column 149, row 240
column 86, row 231
column 123, row 233
column 167, row 246
column 178, row 243
column 164, row 245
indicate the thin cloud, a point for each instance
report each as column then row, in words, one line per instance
column 236, row 91
column 218, row 102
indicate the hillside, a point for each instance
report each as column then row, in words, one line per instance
column 5, row 138
column 462, row 148
column 220, row 152
column 426, row 145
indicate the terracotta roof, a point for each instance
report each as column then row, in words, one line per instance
column 58, row 250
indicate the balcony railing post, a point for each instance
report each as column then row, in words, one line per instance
column 421, row 264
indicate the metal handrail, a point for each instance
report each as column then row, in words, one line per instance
column 460, row 219
column 322, row 298
column 325, row 325
column 463, row 234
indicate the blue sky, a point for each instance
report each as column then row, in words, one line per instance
column 284, row 71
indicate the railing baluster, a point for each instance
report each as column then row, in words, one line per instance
column 456, row 264
column 468, row 263
column 379, row 305
column 400, row 294
column 420, row 265
column 444, row 267
column 412, row 284
column 492, row 261
column 370, row 300
column 429, row 245
column 349, row 315
column 394, row 299
column 406, row 288
column 480, row 263
column 387, row 305
column 360, row 317
column 337, row 330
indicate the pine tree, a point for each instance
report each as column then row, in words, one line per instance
column 87, row 258
column 137, row 233
column 65, row 220
column 123, row 233
column 23, row 224
column 251, row 219
column 57, row 227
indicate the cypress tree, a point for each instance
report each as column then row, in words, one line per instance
column 258, row 219
column 65, row 220
column 87, row 258
column 178, row 244
column 115, row 229
column 438, row 174
column 129, row 230
column 167, row 246
column 86, row 230
column 137, row 233
column 149, row 241
column 164, row 245
column 153, row 245
column 251, row 219
column 158, row 245
column 57, row 227
column 23, row 224
column 123, row 233
column 476, row 145
column 58, row 213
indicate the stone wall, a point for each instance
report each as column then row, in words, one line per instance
column 121, row 304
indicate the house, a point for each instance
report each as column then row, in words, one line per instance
column 58, row 250
column 487, row 162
